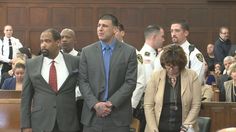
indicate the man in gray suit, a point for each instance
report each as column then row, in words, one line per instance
column 108, row 74
column 48, row 96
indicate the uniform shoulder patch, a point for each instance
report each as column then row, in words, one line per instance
column 199, row 57
column 140, row 58
column 147, row 53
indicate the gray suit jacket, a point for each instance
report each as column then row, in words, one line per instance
column 122, row 81
column 41, row 107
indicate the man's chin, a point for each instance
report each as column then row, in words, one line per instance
column 45, row 53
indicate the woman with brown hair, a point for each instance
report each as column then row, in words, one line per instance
column 173, row 94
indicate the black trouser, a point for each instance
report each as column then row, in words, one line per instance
column 79, row 104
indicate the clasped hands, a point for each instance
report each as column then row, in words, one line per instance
column 103, row 109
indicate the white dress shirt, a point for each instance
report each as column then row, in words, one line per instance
column 73, row 52
column 62, row 71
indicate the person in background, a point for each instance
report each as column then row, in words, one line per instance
column 107, row 79
column 68, row 41
column 20, row 57
column 179, row 32
column 26, row 52
column 120, row 34
column 222, row 45
column 154, row 38
column 15, row 82
column 217, row 70
column 209, row 77
column 207, row 92
column 48, row 101
column 230, row 86
column 173, row 96
column 210, row 58
column 8, row 48
column 228, row 60
column 140, row 87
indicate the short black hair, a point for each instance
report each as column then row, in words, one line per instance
column 121, row 27
column 110, row 17
column 55, row 34
column 151, row 29
column 184, row 24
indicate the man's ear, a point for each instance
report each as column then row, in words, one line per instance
column 186, row 33
column 115, row 29
column 122, row 33
column 58, row 43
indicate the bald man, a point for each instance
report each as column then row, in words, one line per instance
column 68, row 41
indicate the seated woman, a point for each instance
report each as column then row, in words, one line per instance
column 173, row 94
column 15, row 82
column 18, row 58
column 209, row 77
column 230, row 86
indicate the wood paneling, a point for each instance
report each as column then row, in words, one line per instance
column 17, row 16
column 222, row 114
column 29, row 18
column 63, row 17
column 39, row 16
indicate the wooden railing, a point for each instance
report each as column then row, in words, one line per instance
column 222, row 114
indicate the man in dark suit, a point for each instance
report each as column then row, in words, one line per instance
column 48, row 97
column 108, row 74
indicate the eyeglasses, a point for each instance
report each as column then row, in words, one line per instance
column 171, row 67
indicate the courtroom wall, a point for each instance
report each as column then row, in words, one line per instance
column 30, row 17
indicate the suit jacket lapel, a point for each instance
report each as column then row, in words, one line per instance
column 184, row 81
column 98, row 54
column 161, row 86
column 115, row 54
column 68, row 64
column 38, row 66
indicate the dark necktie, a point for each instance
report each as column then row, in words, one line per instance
column 53, row 77
column 106, row 57
column 10, row 50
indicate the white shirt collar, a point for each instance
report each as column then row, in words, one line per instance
column 185, row 44
column 73, row 52
column 149, row 48
column 57, row 60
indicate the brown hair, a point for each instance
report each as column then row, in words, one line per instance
column 173, row 54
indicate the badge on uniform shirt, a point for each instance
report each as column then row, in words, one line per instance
column 147, row 53
column 199, row 57
column 140, row 58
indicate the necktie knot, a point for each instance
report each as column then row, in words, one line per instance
column 9, row 40
column 107, row 48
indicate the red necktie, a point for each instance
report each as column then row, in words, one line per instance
column 53, row 77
